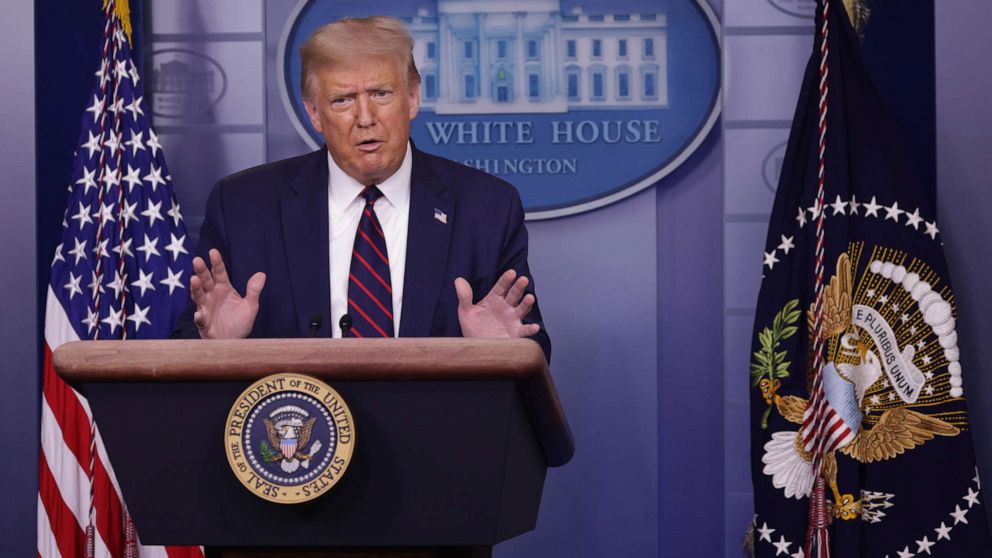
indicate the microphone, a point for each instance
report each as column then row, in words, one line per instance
column 315, row 322
column 345, row 324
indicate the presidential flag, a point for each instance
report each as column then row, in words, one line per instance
column 120, row 272
column 861, row 444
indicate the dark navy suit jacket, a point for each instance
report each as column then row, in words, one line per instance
column 273, row 218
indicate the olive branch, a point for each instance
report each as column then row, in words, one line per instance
column 268, row 454
column 769, row 362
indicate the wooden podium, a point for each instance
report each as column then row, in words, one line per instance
column 453, row 438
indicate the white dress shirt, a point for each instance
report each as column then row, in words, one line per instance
column 344, row 209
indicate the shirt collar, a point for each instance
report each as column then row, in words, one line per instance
column 345, row 190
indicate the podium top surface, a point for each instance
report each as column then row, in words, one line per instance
column 397, row 359
column 334, row 359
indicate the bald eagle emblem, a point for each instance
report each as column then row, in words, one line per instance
column 891, row 354
column 289, row 429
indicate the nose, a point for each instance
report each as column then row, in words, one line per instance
column 363, row 112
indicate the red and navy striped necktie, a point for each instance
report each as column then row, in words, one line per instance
column 370, row 292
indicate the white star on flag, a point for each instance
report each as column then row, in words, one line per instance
column 173, row 281
column 149, row 248
column 943, row 532
column 174, row 212
column 113, row 141
column 913, row 219
column 765, row 534
column 88, row 180
column 176, row 247
column 133, row 178
column 839, row 205
column 144, row 281
column 155, row 174
column 113, row 320
column 787, row 244
column 893, row 212
column 79, row 251
column 135, row 108
column 153, row 143
column 971, row 497
column 153, row 212
column 770, row 259
column 139, row 316
column 93, row 144
column 854, row 205
column 135, row 142
column 73, row 285
column 100, row 250
column 96, row 108
column 871, row 208
column 924, row 545
column 782, row 546
column 83, row 216
column 127, row 214
column 117, row 285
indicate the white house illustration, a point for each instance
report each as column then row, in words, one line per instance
column 526, row 56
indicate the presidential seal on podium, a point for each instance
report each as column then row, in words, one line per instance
column 289, row 438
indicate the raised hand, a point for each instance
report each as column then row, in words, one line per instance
column 221, row 312
column 500, row 313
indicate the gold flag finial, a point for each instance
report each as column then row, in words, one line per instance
column 122, row 11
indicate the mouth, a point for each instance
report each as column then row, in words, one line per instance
column 368, row 145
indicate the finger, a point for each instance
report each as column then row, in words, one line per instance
column 524, row 307
column 517, row 291
column 199, row 319
column 254, row 288
column 217, row 267
column 464, row 292
column 201, row 271
column 196, row 291
column 526, row 330
column 503, row 284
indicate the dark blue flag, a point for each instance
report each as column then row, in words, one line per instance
column 860, row 439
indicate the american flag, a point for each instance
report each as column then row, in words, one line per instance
column 120, row 272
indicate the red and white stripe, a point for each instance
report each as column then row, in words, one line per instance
column 73, row 464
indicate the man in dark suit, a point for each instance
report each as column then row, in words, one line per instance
column 291, row 234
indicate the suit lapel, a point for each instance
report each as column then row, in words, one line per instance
column 426, row 247
column 305, row 233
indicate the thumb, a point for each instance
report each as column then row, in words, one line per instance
column 254, row 288
column 464, row 292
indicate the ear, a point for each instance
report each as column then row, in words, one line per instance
column 414, row 99
column 312, row 113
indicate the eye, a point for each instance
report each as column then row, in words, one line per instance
column 381, row 94
column 340, row 102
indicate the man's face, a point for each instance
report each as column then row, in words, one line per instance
column 364, row 110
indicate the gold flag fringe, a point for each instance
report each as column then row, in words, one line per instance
column 122, row 10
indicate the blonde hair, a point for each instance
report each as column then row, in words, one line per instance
column 354, row 38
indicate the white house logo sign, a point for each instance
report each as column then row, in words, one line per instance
column 578, row 103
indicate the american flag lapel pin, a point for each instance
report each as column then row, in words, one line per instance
column 441, row 216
